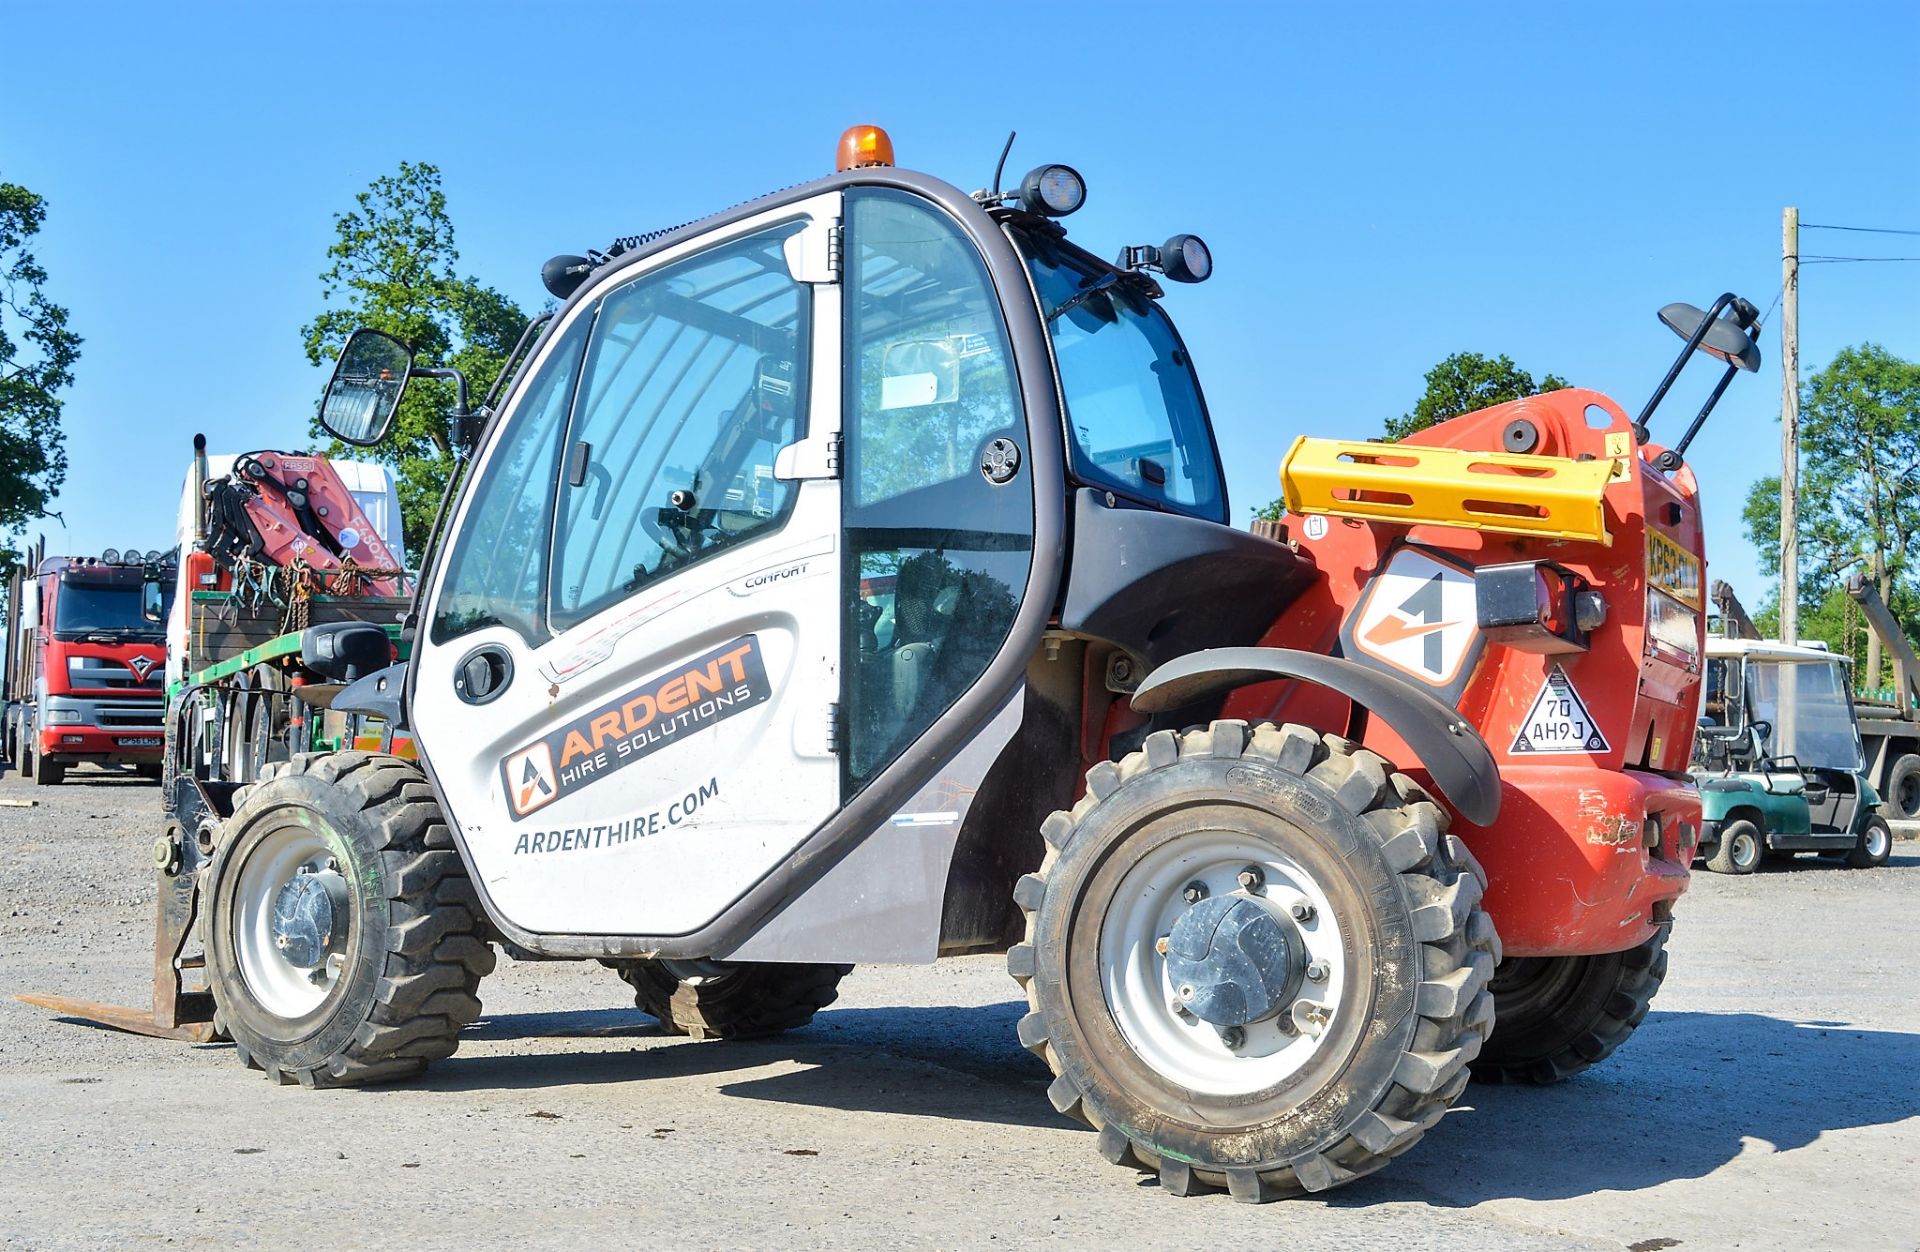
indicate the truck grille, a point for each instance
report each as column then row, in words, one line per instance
column 102, row 672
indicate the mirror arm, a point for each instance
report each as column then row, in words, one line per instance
column 459, row 381
column 1670, row 460
column 1679, row 363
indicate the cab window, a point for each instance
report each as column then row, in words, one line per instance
column 497, row 567
column 692, row 383
column 937, row 546
column 1134, row 412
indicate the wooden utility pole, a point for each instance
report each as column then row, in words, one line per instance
column 1789, row 425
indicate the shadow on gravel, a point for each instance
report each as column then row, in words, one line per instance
column 959, row 1063
column 1677, row 1102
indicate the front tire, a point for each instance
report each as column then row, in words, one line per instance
column 720, row 1000
column 48, row 773
column 1740, row 849
column 1559, row 1015
column 1363, row 960
column 1875, row 847
column 343, row 937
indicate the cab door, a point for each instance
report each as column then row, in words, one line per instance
column 630, row 664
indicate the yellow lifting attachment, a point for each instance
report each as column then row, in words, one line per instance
column 1551, row 497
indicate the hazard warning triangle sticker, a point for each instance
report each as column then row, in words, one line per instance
column 1558, row 722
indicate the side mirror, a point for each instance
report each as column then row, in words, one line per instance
column 365, row 388
column 1725, row 339
column 152, row 598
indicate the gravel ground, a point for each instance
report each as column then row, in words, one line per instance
column 1770, row 1101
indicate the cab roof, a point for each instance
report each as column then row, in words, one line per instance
column 1770, row 649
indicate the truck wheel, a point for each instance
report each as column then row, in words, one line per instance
column 48, row 773
column 1875, row 845
column 1255, row 960
column 1902, row 803
column 1740, row 849
column 343, row 938
column 718, row 1000
column 1559, row 1015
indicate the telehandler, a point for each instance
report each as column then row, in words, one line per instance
column 847, row 577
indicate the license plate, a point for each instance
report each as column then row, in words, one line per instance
column 142, row 741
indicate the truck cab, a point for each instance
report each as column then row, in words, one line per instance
column 1778, row 758
column 86, row 667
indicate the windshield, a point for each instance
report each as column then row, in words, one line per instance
column 1811, row 711
column 1139, row 424
column 84, row 608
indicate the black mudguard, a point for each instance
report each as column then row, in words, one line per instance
column 1447, row 744
column 379, row 693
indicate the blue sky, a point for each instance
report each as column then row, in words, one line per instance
column 1381, row 185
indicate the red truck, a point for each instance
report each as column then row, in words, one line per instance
column 86, row 667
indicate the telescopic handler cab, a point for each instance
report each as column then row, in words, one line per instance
column 846, row 577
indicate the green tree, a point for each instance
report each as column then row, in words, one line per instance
column 37, row 355
column 1463, row 383
column 1859, row 498
column 392, row 267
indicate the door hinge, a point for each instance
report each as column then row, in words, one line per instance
column 836, row 237
column 835, row 727
column 834, row 446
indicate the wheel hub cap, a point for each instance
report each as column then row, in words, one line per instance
column 304, row 917
column 1232, row 961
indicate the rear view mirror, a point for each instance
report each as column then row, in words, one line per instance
column 917, row 372
column 365, row 388
column 152, row 599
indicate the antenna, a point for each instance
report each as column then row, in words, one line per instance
column 1001, row 167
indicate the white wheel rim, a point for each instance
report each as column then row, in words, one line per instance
column 281, row 987
column 1746, row 850
column 1140, row 995
column 1876, row 841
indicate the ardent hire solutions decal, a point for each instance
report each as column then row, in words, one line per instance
column 684, row 701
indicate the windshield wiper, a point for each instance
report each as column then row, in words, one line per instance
column 1080, row 297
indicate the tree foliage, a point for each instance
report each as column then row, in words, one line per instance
column 37, row 356
column 392, row 267
column 1463, row 383
column 1859, row 497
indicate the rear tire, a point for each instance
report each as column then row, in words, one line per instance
column 1902, row 802
column 1559, row 1015
column 1875, row 846
column 1351, row 868
column 386, row 949
column 1740, row 849
column 719, row 1000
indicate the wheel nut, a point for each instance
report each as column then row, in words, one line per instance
column 1194, row 892
column 1186, row 993
column 1233, row 1036
column 1317, row 971
column 1160, row 945
column 1252, row 880
column 1302, row 911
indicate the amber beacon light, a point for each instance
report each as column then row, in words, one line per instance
column 863, row 147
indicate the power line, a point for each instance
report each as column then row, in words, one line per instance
column 1852, row 260
column 1865, row 230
